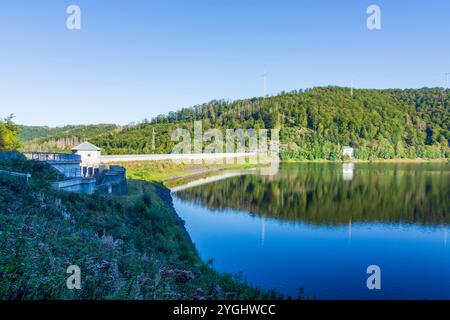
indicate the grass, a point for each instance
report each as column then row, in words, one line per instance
column 172, row 173
column 130, row 247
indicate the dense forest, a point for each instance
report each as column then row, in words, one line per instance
column 36, row 132
column 314, row 124
column 61, row 138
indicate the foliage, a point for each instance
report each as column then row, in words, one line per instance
column 8, row 134
column 317, row 194
column 314, row 124
column 132, row 247
column 38, row 138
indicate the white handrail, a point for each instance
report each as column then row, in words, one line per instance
column 17, row 174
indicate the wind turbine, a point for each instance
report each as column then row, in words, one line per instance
column 264, row 76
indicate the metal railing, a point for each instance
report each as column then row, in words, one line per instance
column 46, row 156
column 27, row 176
column 72, row 173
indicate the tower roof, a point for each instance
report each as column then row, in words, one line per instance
column 86, row 146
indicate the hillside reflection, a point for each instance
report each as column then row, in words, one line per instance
column 330, row 194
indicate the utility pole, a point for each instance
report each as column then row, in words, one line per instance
column 153, row 139
column 351, row 88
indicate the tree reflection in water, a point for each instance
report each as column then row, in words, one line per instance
column 331, row 194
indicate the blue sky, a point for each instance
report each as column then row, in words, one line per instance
column 135, row 59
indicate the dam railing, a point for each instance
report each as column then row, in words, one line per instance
column 49, row 156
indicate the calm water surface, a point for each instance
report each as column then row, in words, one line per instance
column 319, row 226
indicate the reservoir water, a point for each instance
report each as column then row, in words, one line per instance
column 316, row 228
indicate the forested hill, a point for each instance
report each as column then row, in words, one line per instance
column 61, row 138
column 315, row 124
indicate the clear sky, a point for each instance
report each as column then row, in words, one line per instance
column 135, row 59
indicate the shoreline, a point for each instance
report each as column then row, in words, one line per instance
column 418, row 160
column 138, row 238
column 172, row 174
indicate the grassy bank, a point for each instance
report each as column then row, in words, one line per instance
column 172, row 173
column 132, row 247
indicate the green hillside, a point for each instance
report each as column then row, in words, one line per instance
column 315, row 124
column 60, row 138
column 28, row 133
column 8, row 134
